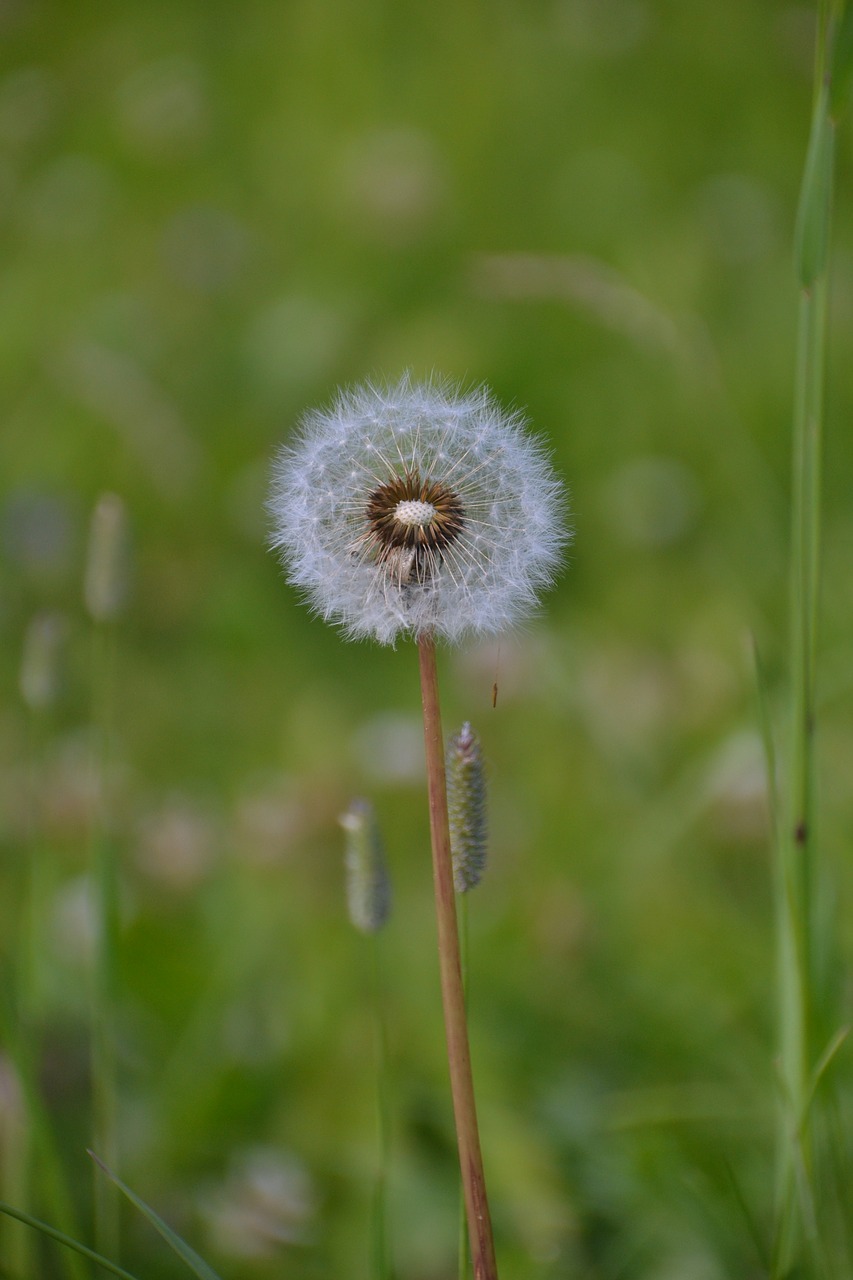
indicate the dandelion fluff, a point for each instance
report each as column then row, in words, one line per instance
column 414, row 509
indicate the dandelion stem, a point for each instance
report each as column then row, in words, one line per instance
column 452, row 991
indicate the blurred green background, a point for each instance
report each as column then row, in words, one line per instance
column 212, row 215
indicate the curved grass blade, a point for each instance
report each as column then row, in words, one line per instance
column 842, row 64
column 188, row 1255
column 69, row 1243
column 812, row 229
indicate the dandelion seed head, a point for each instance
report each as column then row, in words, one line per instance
column 412, row 508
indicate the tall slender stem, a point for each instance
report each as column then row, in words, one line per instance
column 382, row 1268
column 452, row 992
column 104, row 1084
column 797, row 875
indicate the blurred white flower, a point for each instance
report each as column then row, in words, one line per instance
column 413, row 508
column 267, row 1201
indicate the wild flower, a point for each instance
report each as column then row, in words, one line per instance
column 416, row 509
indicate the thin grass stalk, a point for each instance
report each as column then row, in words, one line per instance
column 102, row 858
column 39, row 1174
column 382, row 1268
column 17, row 1162
column 62, row 1238
column 797, row 868
column 52, row 1182
column 453, row 996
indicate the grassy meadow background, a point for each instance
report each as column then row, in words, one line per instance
column 211, row 216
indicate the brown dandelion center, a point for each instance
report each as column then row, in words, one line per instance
column 411, row 522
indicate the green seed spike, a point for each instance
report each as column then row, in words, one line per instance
column 368, row 883
column 466, row 799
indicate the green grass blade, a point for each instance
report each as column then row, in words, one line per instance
column 828, row 1057
column 842, row 64
column 812, row 232
column 767, row 741
column 69, row 1243
column 188, row 1255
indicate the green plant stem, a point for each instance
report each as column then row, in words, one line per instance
column 797, row 852
column 453, row 995
column 104, row 1086
column 382, row 1269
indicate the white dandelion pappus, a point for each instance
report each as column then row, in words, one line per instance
column 414, row 509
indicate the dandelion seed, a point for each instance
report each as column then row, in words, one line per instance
column 466, row 804
column 414, row 509
column 368, row 883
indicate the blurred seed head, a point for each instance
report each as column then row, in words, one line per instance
column 41, row 662
column 653, row 501
column 269, row 820
column 389, row 748
column 294, row 341
column 38, row 533
column 393, row 185
column 72, row 789
column 177, row 845
column 266, row 1201
column 737, row 789
column 466, row 803
column 162, row 108
column 29, row 99
column 74, row 930
column 367, row 881
column 13, row 1111
column 105, row 587
column 603, row 29
column 117, row 389
column 205, row 248
column 68, row 201
column 740, row 217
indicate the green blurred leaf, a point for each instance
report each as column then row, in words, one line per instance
column 69, row 1243
column 181, row 1248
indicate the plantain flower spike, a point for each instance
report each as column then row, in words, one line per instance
column 466, row 803
column 105, row 586
column 367, row 880
column 39, row 678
